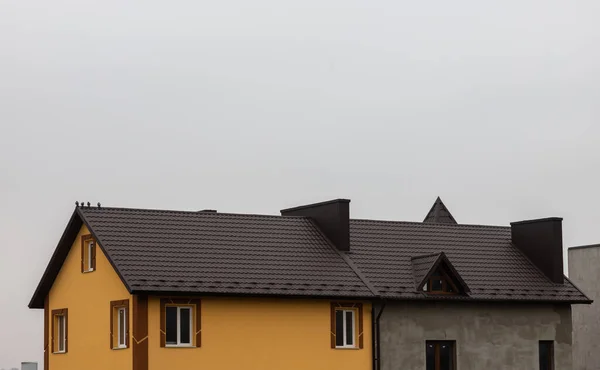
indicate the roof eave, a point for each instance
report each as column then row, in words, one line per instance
column 150, row 292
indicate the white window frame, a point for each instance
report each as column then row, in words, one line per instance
column 121, row 335
column 90, row 247
column 353, row 344
column 61, row 333
column 179, row 343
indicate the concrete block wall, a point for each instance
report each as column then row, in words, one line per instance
column 584, row 271
column 488, row 336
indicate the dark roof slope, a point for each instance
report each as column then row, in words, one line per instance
column 489, row 264
column 214, row 253
column 209, row 252
column 422, row 265
column 439, row 213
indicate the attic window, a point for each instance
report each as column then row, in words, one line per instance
column 440, row 283
column 88, row 253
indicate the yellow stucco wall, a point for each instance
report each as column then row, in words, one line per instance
column 260, row 334
column 87, row 297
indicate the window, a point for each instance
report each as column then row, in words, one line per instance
column 440, row 355
column 88, row 253
column 546, row 355
column 440, row 283
column 60, row 329
column 344, row 328
column 119, row 324
column 180, row 323
column 346, row 325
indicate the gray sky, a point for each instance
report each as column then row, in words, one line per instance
column 253, row 106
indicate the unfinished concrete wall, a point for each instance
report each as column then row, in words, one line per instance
column 584, row 271
column 488, row 336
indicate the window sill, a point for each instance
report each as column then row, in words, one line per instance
column 59, row 353
column 347, row 347
column 180, row 346
column 88, row 271
column 119, row 348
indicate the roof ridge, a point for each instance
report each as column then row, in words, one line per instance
column 346, row 259
column 428, row 224
column 156, row 210
column 215, row 214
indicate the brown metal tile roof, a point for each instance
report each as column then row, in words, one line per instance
column 422, row 265
column 211, row 252
column 158, row 251
column 489, row 264
column 439, row 213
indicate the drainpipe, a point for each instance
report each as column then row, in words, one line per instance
column 376, row 338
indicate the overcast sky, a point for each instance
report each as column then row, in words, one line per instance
column 254, row 106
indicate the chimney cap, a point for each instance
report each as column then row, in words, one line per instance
column 339, row 200
column 536, row 220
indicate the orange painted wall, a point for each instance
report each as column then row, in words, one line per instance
column 260, row 334
column 88, row 296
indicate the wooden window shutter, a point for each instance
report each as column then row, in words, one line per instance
column 333, row 334
column 198, row 320
column 52, row 342
column 66, row 313
column 360, row 325
column 163, row 322
column 94, row 256
column 112, row 324
column 83, row 254
column 127, row 322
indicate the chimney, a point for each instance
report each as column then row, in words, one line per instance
column 541, row 241
column 332, row 217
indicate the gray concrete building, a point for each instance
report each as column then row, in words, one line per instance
column 471, row 297
column 486, row 335
column 584, row 271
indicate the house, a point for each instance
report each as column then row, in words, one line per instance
column 310, row 289
column 584, row 270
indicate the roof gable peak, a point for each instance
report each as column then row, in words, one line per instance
column 439, row 213
column 424, row 267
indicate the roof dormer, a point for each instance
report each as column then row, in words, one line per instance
column 434, row 274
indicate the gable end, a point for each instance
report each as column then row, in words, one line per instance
column 75, row 223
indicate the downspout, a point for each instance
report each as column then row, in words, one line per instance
column 376, row 338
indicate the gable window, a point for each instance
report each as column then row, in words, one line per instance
column 346, row 325
column 60, row 329
column 440, row 283
column 180, row 323
column 88, row 253
column 440, row 355
column 546, row 355
column 119, row 324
